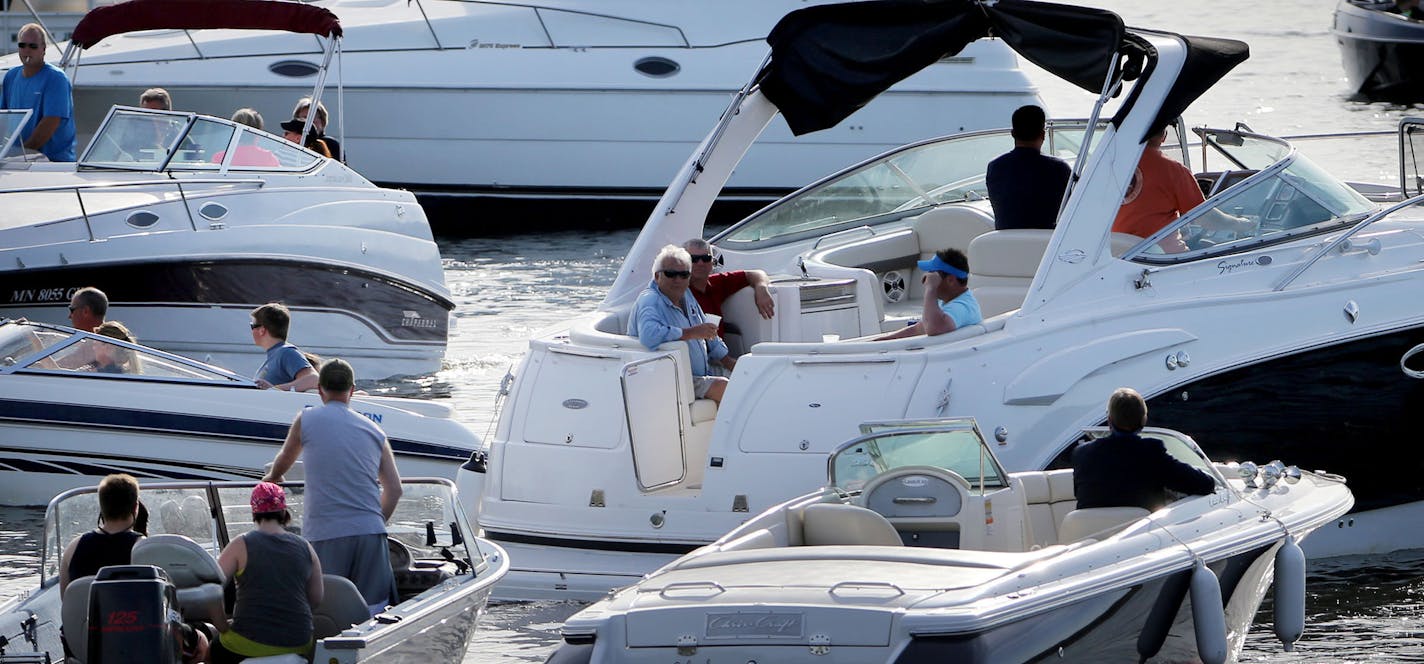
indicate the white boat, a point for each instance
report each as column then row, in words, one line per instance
column 923, row 549
column 443, row 573
column 66, row 424
column 1304, row 320
column 541, row 99
column 187, row 236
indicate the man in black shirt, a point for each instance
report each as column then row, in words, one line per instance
column 1025, row 185
column 1124, row 469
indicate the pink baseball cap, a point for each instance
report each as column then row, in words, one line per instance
column 268, row 497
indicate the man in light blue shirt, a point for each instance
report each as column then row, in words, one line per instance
column 948, row 303
column 667, row 311
column 43, row 87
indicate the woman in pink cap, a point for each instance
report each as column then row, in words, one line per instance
column 278, row 580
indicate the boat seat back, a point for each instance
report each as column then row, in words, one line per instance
column 341, row 607
column 1097, row 522
column 74, row 616
column 952, row 226
column 1048, row 497
column 835, row 524
column 193, row 571
column 613, row 322
column 1002, row 265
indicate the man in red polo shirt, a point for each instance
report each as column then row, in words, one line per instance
column 711, row 290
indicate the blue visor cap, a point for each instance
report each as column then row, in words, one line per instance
column 937, row 264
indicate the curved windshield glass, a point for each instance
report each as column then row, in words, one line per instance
column 960, row 450
column 1281, row 202
column 916, row 177
column 21, row 343
column 134, row 139
column 893, row 186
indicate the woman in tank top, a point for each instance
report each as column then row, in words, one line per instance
column 278, row 580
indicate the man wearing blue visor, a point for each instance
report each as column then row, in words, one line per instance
column 948, row 303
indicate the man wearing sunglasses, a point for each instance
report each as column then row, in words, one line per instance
column 948, row 303
column 44, row 88
column 711, row 290
column 666, row 311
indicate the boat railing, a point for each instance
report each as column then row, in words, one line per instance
column 1341, row 240
column 138, row 224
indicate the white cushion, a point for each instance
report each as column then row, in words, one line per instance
column 950, row 227
column 1060, row 485
column 1095, row 522
column 834, row 524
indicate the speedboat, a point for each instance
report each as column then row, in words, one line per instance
column 188, row 222
column 546, row 99
column 603, row 465
column 443, row 572
column 923, row 548
column 77, row 406
column 1379, row 49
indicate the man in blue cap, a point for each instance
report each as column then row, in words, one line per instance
column 948, row 303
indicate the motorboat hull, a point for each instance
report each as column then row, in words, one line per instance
column 556, row 143
column 1380, row 51
column 1101, row 627
column 200, row 307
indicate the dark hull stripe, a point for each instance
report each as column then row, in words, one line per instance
column 241, row 282
column 88, row 417
column 591, row 545
column 94, row 464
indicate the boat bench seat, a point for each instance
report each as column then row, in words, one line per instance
column 836, row 524
column 1049, row 497
column 1002, row 265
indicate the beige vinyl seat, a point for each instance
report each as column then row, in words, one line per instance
column 74, row 616
column 1096, row 523
column 341, row 607
column 833, row 524
column 1002, row 265
column 194, row 573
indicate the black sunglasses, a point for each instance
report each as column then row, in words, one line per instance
column 29, row 44
column 677, row 274
column 255, row 325
column 702, row 258
column 72, row 308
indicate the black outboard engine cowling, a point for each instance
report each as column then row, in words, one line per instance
column 133, row 617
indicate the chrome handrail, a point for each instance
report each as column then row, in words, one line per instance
column 1330, row 246
column 106, row 185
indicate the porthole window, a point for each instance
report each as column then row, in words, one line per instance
column 142, row 219
column 294, row 68
column 657, row 67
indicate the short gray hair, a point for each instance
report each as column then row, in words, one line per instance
column 702, row 246
column 671, row 251
column 248, row 117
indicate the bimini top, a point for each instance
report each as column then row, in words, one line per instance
column 135, row 15
column 829, row 60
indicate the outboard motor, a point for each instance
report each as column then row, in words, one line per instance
column 133, row 617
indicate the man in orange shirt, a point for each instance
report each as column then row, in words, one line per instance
column 1162, row 190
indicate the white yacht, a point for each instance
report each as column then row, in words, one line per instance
column 921, row 548
column 1284, row 341
column 444, row 575
column 188, row 222
column 542, row 99
column 76, row 406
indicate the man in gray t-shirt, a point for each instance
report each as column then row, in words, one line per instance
column 352, row 486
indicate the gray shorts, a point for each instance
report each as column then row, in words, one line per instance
column 366, row 561
column 700, row 385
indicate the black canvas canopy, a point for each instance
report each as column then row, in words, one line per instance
column 829, row 60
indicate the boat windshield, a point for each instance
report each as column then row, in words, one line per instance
column 426, row 520
column 1179, row 445
column 954, row 445
column 144, row 139
column 1289, row 198
column 892, row 186
column 28, row 348
column 11, row 123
